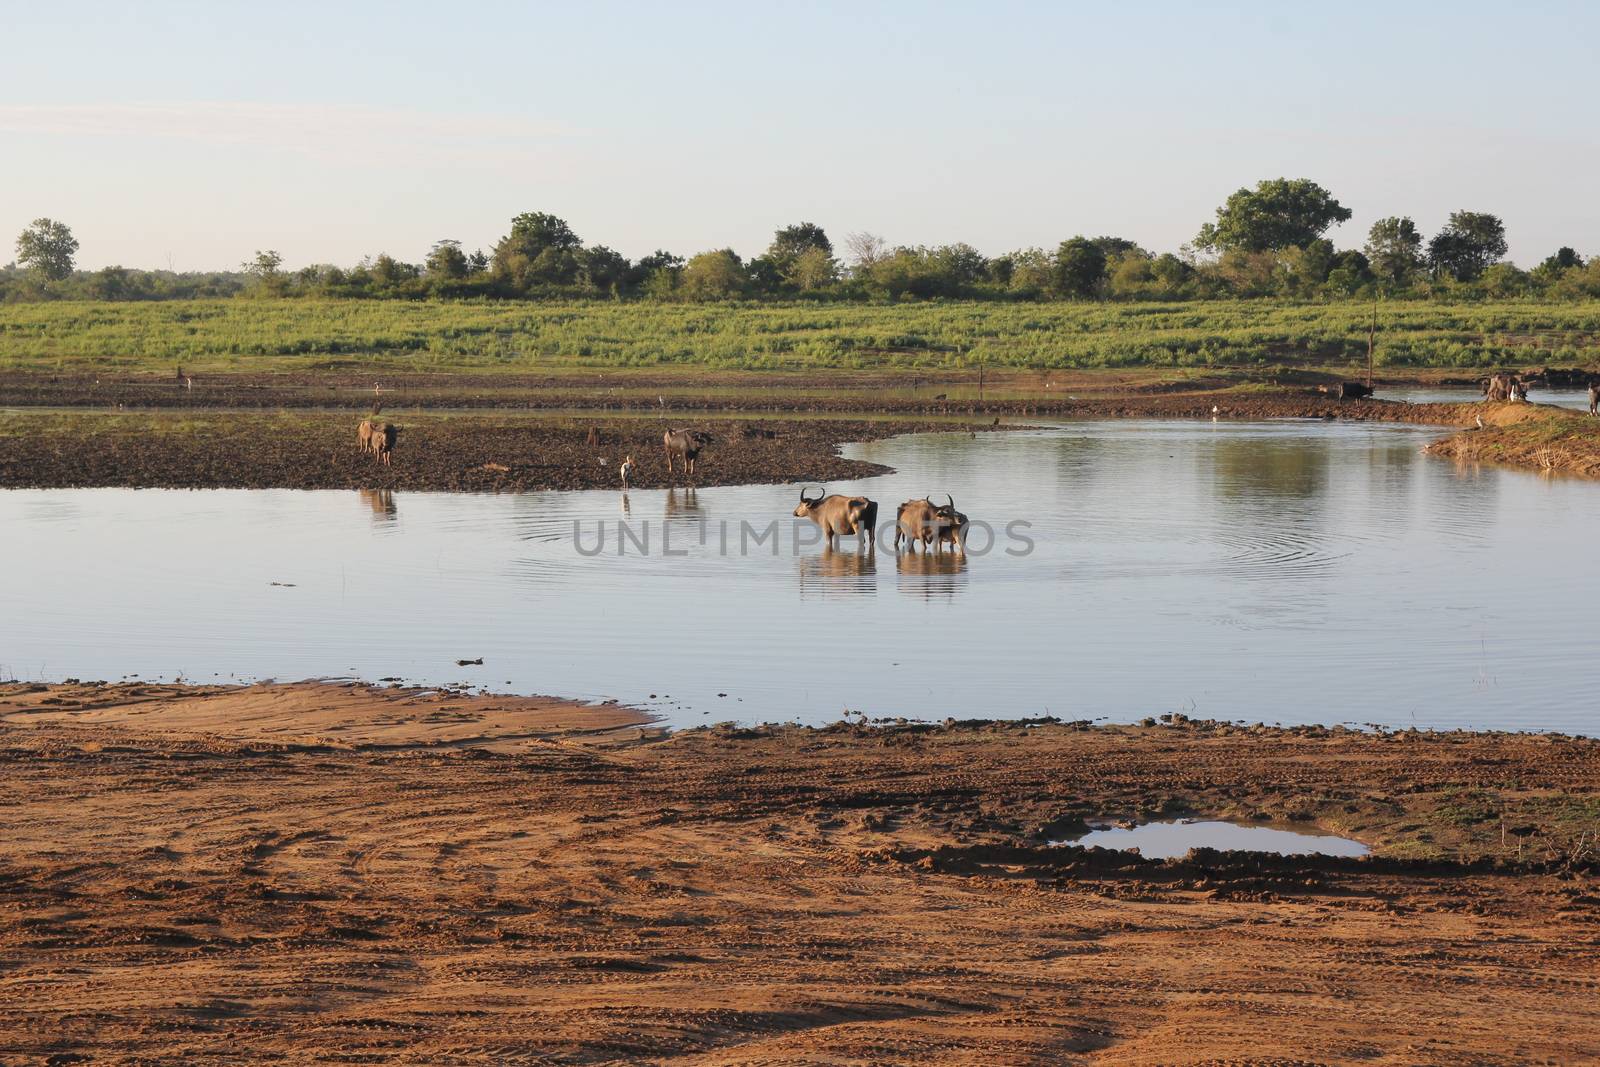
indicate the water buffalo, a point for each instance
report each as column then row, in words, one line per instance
column 685, row 444
column 841, row 516
column 1594, row 399
column 927, row 522
column 951, row 527
column 1500, row 387
column 1354, row 391
column 383, row 437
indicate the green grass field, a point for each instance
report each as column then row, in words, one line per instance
column 249, row 335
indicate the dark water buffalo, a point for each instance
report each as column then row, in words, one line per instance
column 1354, row 391
column 934, row 525
column 685, row 444
column 841, row 516
column 383, row 438
column 951, row 529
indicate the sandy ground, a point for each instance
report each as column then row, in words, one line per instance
column 327, row 873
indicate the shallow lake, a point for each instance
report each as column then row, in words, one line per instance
column 1286, row 572
column 1457, row 394
column 1170, row 840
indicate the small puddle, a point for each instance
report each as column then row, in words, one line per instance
column 1170, row 840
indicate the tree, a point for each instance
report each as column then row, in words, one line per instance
column 789, row 243
column 263, row 264
column 1468, row 244
column 540, row 250
column 1504, row 279
column 1031, row 271
column 1170, row 273
column 1114, row 247
column 656, row 274
column 1080, row 264
column 1349, row 271
column 390, row 273
column 267, row 270
column 1565, row 259
column 865, row 249
column 964, row 264
column 47, row 247
column 603, row 270
column 714, row 275
column 1279, row 213
column 1394, row 248
column 813, row 269
column 446, row 261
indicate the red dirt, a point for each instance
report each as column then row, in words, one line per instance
column 317, row 873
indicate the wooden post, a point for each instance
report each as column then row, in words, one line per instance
column 1372, row 330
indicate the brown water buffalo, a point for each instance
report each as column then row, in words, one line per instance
column 929, row 523
column 841, row 516
column 383, row 438
column 1500, row 387
column 685, row 444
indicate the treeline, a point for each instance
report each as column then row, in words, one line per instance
column 1266, row 242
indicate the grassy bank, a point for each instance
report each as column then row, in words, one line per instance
column 1540, row 437
column 311, row 334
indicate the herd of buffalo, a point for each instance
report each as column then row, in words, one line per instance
column 934, row 526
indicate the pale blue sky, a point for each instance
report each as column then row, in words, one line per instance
column 195, row 133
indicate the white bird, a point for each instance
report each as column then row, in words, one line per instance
column 627, row 471
column 1480, row 421
column 1214, row 411
column 661, row 400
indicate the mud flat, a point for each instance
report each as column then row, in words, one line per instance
column 306, row 873
column 509, row 453
column 523, row 451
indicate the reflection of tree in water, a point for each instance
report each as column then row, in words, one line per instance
column 381, row 503
column 832, row 571
column 1251, row 467
column 931, row 574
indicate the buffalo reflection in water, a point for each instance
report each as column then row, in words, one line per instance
column 684, row 506
column 833, row 571
column 931, row 574
column 381, row 503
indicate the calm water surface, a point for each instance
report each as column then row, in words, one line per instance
column 1169, row 840
column 1457, row 394
column 1282, row 572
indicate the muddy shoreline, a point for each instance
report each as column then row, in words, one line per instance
column 486, row 432
column 523, row 451
column 271, row 872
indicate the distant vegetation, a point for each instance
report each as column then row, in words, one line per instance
column 430, row 335
column 1265, row 242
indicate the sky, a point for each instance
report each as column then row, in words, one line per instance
column 188, row 135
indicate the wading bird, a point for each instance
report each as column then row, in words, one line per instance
column 626, row 471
